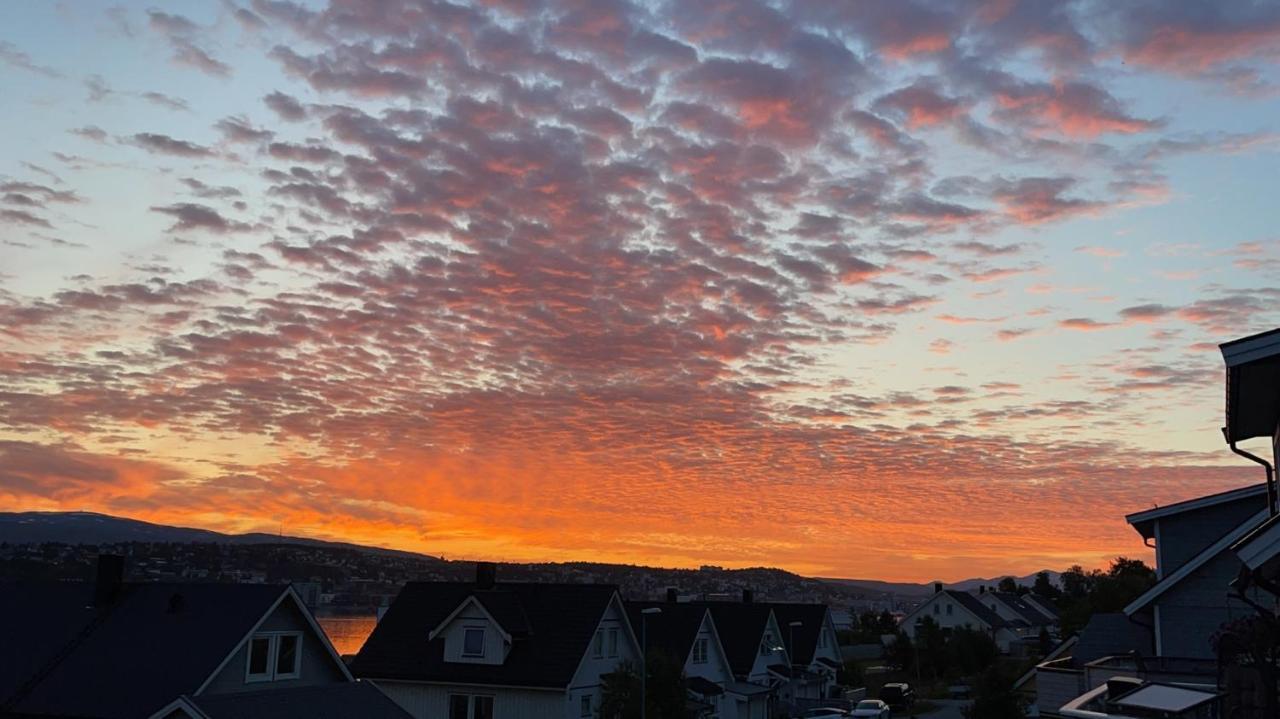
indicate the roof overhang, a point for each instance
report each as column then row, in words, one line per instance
column 1253, row 386
column 1145, row 520
column 1260, row 549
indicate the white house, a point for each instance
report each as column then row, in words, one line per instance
column 809, row 632
column 953, row 609
column 752, row 640
column 116, row 650
column 687, row 634
column 498, row 650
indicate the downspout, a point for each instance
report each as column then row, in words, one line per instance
column 1271, row 487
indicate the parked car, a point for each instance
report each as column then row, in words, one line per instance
column 898, row 695
column 870, row 709
column 825, row 713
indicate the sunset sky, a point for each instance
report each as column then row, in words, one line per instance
column 895, row 290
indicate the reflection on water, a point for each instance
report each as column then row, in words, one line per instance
column 347, row 633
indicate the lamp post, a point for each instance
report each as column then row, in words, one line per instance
column 791, row 659
column 644, row 652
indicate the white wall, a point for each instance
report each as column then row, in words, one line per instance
column 431, row 701
column 472, row 617
column 587, row 679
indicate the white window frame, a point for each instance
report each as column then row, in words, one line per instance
column 597, row 645
column 471, row 702
column 700, row 650
column 463, row 650
column 273, row 653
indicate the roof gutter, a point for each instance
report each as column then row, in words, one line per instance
column 1271, row 487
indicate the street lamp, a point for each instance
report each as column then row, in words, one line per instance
column 644, row 651
column 791, row 657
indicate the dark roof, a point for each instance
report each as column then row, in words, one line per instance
column 741, row 627
column 1032, row 616
column 330, row 701
column 1109, row 634
column 812, row 618
column 552, row 626
column 977, row 608
column 705, row 687
column 1045, row 605
column 673, row 630
column 131, row 658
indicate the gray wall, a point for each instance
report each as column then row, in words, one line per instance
column 1185, row 535
column 1197, row 606
column 317, row 666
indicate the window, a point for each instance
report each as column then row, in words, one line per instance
column 473, row 642
column 700, row 651
column 937, row 609
column 260, row 659
column 274, row 656
column 822, row 640
column 470, row 706
column 287, row 659
column 612, row 644
column 766, row 644
column 948, row 610
column 597, row 650
column 585, row 708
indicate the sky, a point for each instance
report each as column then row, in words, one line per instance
column 890, row 289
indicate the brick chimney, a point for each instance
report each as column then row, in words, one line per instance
column 110, row 578
column 937, row 587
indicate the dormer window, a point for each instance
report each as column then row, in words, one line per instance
column 700, row 650
column 473, row 642
column 274, row 656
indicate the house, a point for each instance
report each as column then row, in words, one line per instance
column 115, row 650
column 953, row 609
column 1024, row 618
column 1070, row 669
column 1194, row 566
column 1129, row 698
column 809, row 633
column 1044, row 605
column 752, row 641
column 498, row 650
column 687, row 634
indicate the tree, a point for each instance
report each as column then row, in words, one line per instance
column 1254, row 641
column 1008, row 584
column 901, row 653
column 970, row 651
column 994, row 696
column 1097, row 591
column 666, row 690
column 1045, row 587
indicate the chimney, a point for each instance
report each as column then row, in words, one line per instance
column 982, row 589
column 747, row 596
column 486, row 575
column 937, row 587
column 106, row 588
column 671, row 595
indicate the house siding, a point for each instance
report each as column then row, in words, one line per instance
column 1196, row 607
column 1185, row 535
column 317, row 666
column 473, row 617
column 431, row 701
column 587, row 679
column 1055, row 687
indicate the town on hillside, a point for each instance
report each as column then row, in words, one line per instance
column 207, row 630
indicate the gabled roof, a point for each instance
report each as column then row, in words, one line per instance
column 1191, row 565
column 741, row 627
column 1044, row 604
column 329, row 701
column 672, row 630
column 1029, row 613
column 977, row 608
column 1144, row 521
column 556, row 624
column 812, row 618
column 130, row 658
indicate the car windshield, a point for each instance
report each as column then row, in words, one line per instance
column 869, row 704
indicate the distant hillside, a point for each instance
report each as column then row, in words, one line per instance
column 93, row 528
column 911, row 589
